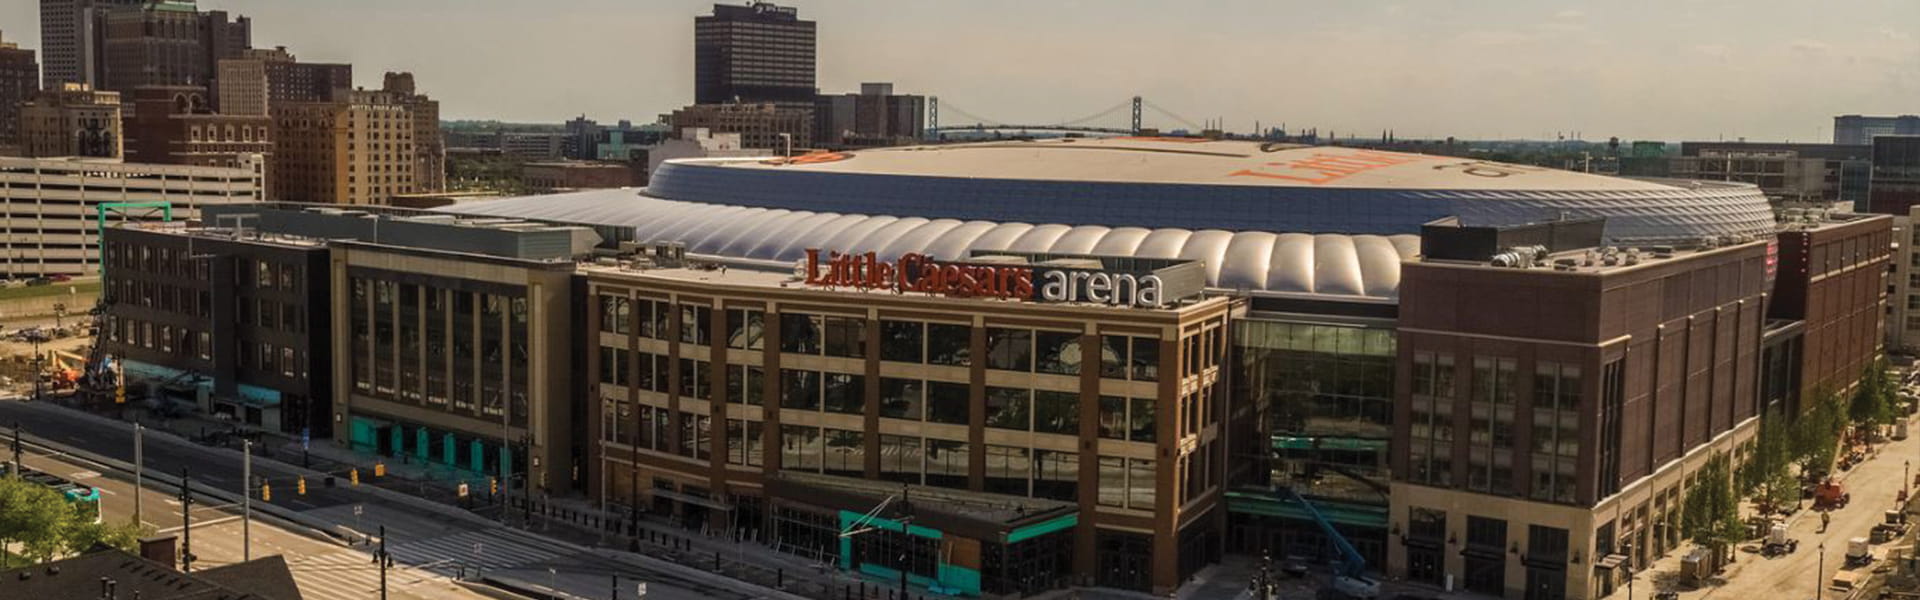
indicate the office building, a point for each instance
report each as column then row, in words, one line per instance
column 356, row 149
column 1801, row 175
column 1858, row 130
column 756, row 53
column 174, row 125
column 588, row 140
column 790, row 410
column 759, row 125
column 19, row 81
column 289, row 80
column 74, row 120
column 1833, row 276
column 1895, row 184
column 168, row 43
column 874, row 117
column 72, row 33
column 694, row 142
column 226, row 317
column 54, row 207
column 429, row 147
column 243, row 87
column 1319, row 339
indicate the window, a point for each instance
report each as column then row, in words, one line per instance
column 902, row 341
column 1056, row 475
column 1556, row 431
column 695, row 379
column 744, row 384
column 616, row 314
column 846, row 453
column 696, row 324
column 901, row 458
column 947, row 464
column 1430, row 430
column 800, row 448
column 845, row 393
column 1058, row 352
column 1127, row 418
column 846, row 337
column 746, row 329
column 1009, row 470
column 1490, row 455
column 800, row 333
column 1009, row 408
column 1009, row 349
column 799, row 389
column 1056, row 412
column 1145, row 359
column 949, row 344
column 902, row 398
column 947, row 402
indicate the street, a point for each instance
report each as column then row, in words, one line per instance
column 1874, row 485
column 430, row 547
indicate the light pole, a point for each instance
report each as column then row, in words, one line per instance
column 1820, row 572
column 246, row 500
column 139, row 473
column 186, row 521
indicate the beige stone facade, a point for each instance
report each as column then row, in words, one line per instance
column 75, row 120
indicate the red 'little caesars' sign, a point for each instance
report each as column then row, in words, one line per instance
column 923, row 274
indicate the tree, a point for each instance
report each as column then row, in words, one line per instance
column 47, row 526
column 1767, row 471
column 1815, row 435
column 1873, row 398
column 1711, row 511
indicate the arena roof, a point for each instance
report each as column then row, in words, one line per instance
column 1200, row 184
column 1331, row 266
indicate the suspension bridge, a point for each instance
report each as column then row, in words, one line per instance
column 1092, row 123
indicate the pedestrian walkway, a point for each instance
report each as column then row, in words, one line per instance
column 461, row 553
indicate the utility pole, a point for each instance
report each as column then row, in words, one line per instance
column 385, row 561
column 246, row 500
column 186, row 522
column 15, row 467
column 139, row 474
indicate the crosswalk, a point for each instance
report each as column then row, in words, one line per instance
column 450, row 554
column 352, row 574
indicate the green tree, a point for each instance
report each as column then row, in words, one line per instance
column 47, row 526
column 1767, row 471
column 1815, row 435
column 1873, row 398
column 1711, row 511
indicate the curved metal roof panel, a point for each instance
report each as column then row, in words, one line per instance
column 1326, row 264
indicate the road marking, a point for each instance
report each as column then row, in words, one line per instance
column 205, row 523
column 84, row 475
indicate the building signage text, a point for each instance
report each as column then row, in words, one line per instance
column 920, row 273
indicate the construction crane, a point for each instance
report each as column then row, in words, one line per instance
column 1349, row 576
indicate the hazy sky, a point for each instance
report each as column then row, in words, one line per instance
column 1638, row 69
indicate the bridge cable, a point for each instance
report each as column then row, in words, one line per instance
column 1171, row 115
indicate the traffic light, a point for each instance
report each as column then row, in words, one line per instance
column 354, row 475
column 379, row 469
column 120, row 394
column 493, row 485
column 266, row 492
column 303, row 485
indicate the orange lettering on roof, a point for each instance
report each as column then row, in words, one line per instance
column 1325, row 167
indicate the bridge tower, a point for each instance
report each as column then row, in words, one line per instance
column 1136, row 115
column 933, row 118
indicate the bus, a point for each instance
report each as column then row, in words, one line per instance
column 86, row 497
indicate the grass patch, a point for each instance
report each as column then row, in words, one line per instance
column 52, row 289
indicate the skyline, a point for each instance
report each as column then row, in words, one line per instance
column 1702, row 70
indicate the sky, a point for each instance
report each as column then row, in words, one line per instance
column 1765, row 70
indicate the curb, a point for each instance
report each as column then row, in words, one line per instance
column 559, row 546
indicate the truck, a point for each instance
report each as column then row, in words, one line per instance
column 1892, row 525
column 1830, row 494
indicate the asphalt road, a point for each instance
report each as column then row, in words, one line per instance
column 431, row 543
column 325, row 570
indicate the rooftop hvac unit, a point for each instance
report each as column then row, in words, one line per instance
column 1565, row 264
column 1661, row 251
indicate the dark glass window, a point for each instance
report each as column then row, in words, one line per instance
column 1113, row 356
column 903, row 341
column 800, row 333
column 846, row 337
column 902, row 398
column 947, row 464
column 1146, row 359
column 1009, row 349
column 1009, row 408
column 1008, row 469
column 746, row 329
column 947, row 402
column 949, row 344
column 1059, row 353
column 1056, row 412
column 800, row 389
column 846, row 453
column 845, row 393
